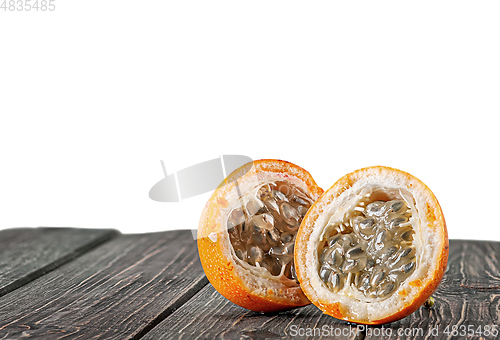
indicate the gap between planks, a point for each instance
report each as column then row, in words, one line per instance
column 122, row 289
column 96, row 237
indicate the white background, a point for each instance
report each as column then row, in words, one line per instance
column 96, row 93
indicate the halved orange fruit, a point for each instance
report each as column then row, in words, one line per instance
column 247, row 232
column 373, row 248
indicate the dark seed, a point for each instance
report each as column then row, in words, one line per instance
column 354, row 253
column 366, row 227
column 363, row 281
column 265, row 247
column 240, row 254
column 334, row 239
column 277, row 251
column 381, row 236
column 288, row 271
column 255, row 255
column 326, row 256
column 273, row 236
column 397, row 221
column 398, row 257
column 332, row 256
column 292, row 272
column 259, row 238
column 275, row 269
column 366, row 223
column 289, row 214
column 324, row 273
column 270, row 203
column 302, row 210
column 407, row 235
column 335, row 282
column 271, row 265
column 404, row 270
column 391, row 251
column 246, row 230
column 405, row 252
column 409, row 267
column 286, row 237
column 385, row 289
column 264, row 191
column 379, row 241
column 301, row 197
column 377, row 276
column 290, row 228
column 350, row 266
column 337, row 258
column 264, row 221
column 347, row 240
column 300, row 201
column 234, row 234
column 279, row 195
column 369, row 263
column 397, row 206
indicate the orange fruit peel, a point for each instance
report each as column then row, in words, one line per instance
column 373, row 248
column 246, row 234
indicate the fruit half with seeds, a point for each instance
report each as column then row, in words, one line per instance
column 247, row 233
column 373, row 248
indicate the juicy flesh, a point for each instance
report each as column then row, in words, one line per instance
column 262, row 228
column 371, row 249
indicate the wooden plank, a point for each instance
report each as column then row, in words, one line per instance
column 468, row 295
column 28, row 253
column 208, row 315
column 467, row 300
column 117, row 291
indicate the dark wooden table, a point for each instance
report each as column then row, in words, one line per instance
column 62, row 283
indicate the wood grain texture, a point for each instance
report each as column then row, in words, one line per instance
column 468, row 298
column 468, row 295
column 28, row 253
column 119, row 290
column 152, row 286
column 208, row 315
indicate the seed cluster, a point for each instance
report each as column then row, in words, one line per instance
column 262, row 230
column 371, row 249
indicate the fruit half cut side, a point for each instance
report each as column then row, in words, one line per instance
column 247, row 232
column 373, row 248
